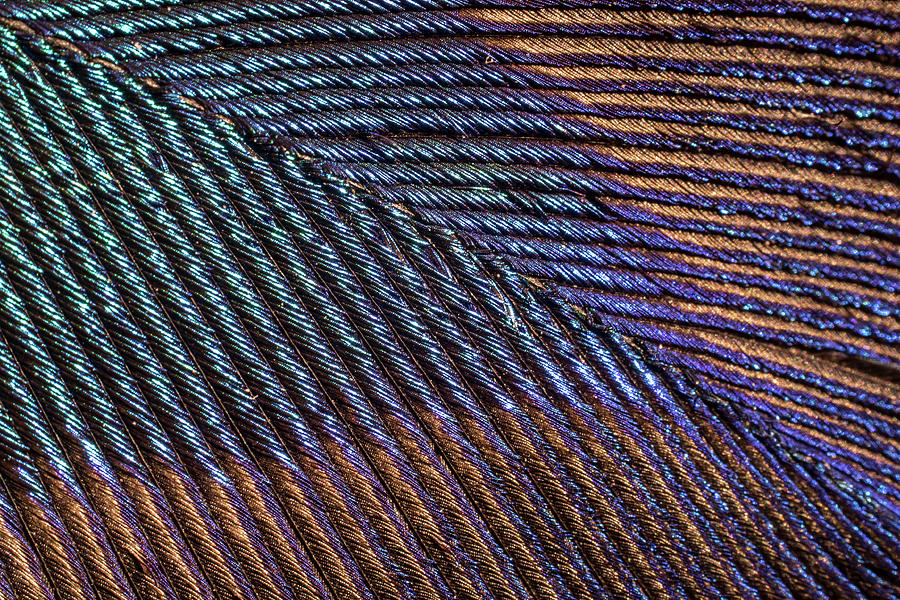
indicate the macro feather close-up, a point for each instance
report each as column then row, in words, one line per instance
column 449, row 299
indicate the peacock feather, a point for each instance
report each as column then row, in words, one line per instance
column 449, row 299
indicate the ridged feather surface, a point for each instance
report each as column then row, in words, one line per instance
column 500, row 300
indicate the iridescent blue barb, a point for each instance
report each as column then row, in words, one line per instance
column 436, row 299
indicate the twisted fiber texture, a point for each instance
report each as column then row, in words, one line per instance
column 437, row 299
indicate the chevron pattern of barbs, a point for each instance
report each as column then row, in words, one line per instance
column 428, row 300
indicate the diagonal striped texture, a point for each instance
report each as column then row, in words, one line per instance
column 438, row 299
